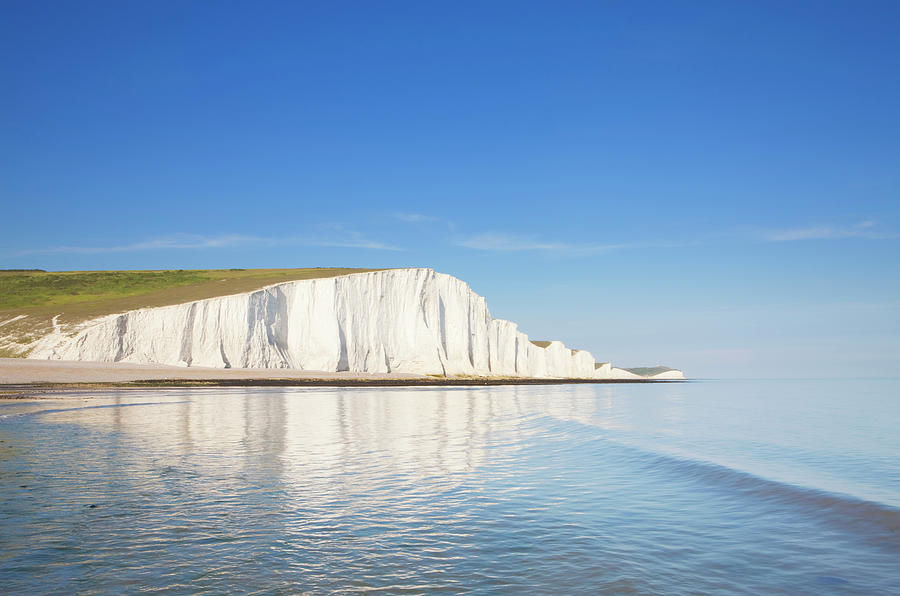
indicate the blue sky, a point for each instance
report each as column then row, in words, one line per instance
column 709, row 185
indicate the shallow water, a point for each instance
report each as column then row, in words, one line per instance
column 709, row 487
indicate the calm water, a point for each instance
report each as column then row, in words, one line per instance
column 712, row 487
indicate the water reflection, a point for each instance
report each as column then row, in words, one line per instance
column 499, row 489
column 314, row 434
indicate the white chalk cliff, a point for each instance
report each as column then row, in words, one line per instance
column 400, row 320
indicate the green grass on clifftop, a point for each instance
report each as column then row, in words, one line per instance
column 648, row 371
column 77, row 296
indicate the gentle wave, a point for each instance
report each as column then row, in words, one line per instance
column 841, row 509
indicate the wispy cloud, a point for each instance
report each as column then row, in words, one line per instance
column 863, row 229
column 338, row 237
column 173, row 242
column 501, row 242
column 415, row 217
column 505, row 242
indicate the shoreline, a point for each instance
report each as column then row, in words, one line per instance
column 20, row 374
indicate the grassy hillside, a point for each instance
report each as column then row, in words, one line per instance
column 30, row 299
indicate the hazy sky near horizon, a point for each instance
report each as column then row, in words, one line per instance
column 709, row 185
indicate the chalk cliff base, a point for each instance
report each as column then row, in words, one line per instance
column 65, row 374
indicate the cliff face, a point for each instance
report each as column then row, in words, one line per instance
column 404, row 320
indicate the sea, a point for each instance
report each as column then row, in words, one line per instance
column 703, row 487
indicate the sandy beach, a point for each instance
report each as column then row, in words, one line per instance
column 18, row 372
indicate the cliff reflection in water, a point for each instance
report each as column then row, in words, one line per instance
column 349, row 437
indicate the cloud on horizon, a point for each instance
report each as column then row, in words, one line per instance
column 342, row 238
column 338, row 236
